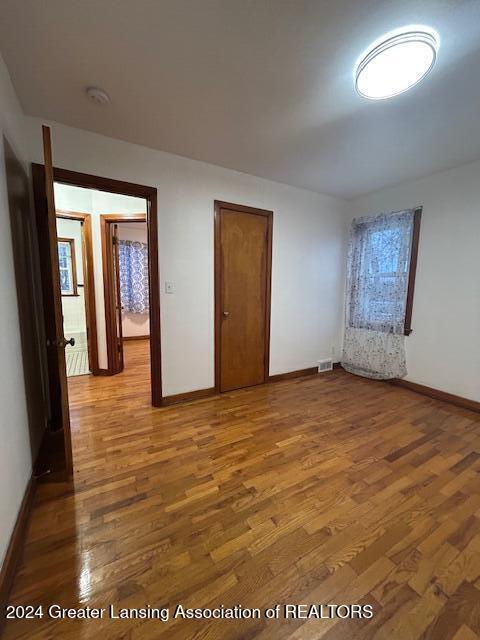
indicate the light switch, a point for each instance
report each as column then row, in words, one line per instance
column 169, row 287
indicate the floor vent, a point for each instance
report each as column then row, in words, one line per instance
column 325, row 365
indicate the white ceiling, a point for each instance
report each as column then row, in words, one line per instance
column 261, row 86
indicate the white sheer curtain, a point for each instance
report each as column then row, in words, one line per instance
column 376, row 295
column 133, row 268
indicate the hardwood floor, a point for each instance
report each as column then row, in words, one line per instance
column 329, row 489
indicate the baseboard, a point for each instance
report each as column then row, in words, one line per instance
column 211, row 391
column 188, row 396
column 127, row 338
column 299, row 373
column 459, row 401
column 277, row 377
column 15, row 547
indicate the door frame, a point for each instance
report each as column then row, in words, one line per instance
column 107, row 219
column 88, row 181
column 85, row 220
column 218, row 206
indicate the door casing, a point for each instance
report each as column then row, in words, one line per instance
column 110, row 286
column 89, row 181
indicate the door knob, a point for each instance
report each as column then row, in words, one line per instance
column 64, row 342
column 226, row 314
column 61, row 343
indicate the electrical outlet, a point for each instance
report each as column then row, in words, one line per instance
column 169, row 287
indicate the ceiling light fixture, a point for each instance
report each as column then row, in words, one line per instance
column 396, row 62
column 97, row 95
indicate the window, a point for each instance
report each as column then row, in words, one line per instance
column 133, row 269
column 382, row 272
column 67, row 268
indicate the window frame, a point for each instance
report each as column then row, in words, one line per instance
column 412, row 272
column 73, row 264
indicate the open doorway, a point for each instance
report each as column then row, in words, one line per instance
column 77, row 289
column 126, row 285
column 62, row 268
column 133, row 262
column 103, row 252
column 132, row 290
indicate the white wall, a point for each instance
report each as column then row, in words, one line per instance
column 308, row 252
column 443, row 351
column 15, row 453
column 134, row 324
column 95, row 203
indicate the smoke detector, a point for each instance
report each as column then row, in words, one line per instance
column 97, row 95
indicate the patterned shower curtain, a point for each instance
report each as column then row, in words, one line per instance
column 376, row 294
column 133, row 269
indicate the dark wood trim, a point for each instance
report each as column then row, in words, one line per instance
column 72, row 215
column 16, row 544
column 458, row 401
column 213, row 391
column 108, row 296
column 109, row 285
column 128, row 338
column 48, row 285
column 47, row 222
column 118, row 298
column 73, row 258
column 189, row 396
column 89, row 294
column 154, row 294
column 299, row 373
column 436, row 394
column 268, row 292
column 277, row 377
column 417, row 219
column 124, row 217
column 89, row 283
column 217, row 258
column 89, row 181
column 218, row 206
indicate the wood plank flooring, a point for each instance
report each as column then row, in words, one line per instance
column 326, row 490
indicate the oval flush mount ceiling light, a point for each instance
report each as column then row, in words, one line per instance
column 97, row 95
column 396, row 62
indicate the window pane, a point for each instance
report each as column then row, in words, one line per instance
column 65, row 268
column 379, row 272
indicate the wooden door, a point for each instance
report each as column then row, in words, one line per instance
column 111, row 270
column 117, row 299
column 29, row 302
column 243, row 254
column 55, row 339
